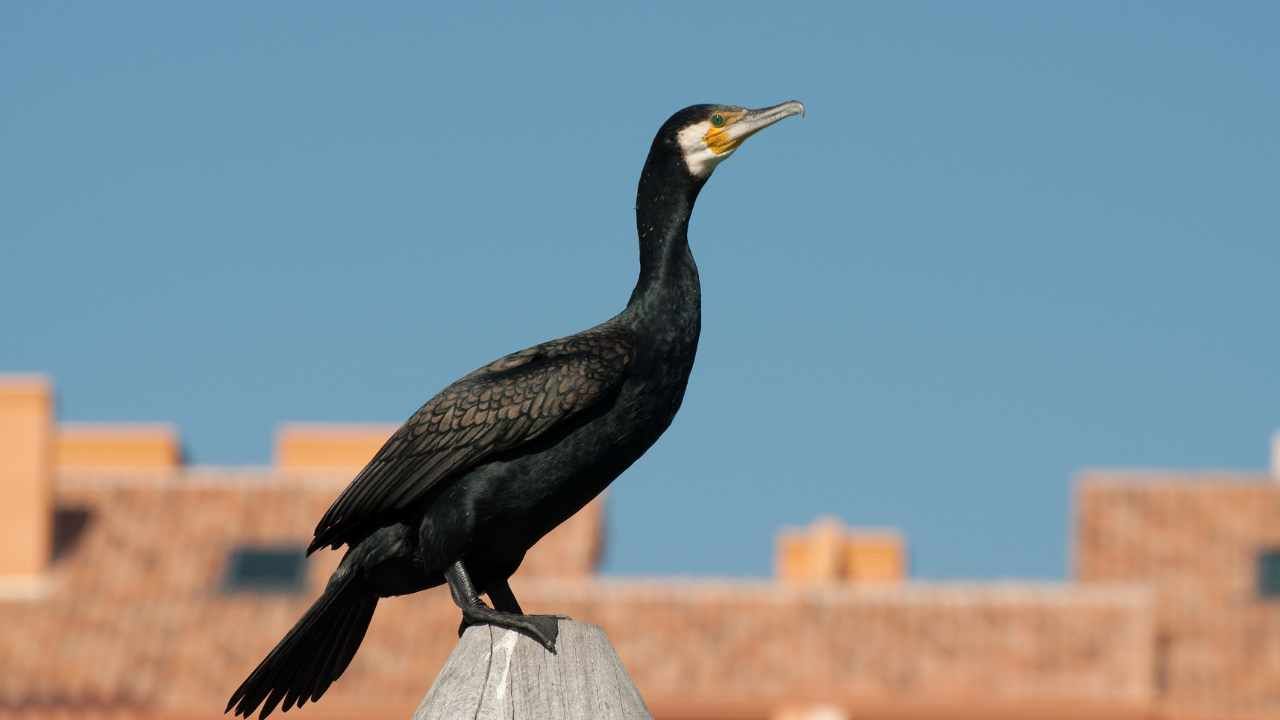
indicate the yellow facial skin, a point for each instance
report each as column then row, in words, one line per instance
column 719, row 139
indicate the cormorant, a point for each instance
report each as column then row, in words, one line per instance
column 483, row 470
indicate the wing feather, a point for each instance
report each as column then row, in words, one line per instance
column 493, row 410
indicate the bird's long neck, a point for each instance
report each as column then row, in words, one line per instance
column 668, row 285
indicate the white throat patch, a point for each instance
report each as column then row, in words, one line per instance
column 699, row 158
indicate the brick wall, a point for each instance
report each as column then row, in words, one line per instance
column 1195, row 538
column 136, row 620
column 707, row 643
column 135, row 614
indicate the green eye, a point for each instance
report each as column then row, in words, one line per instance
column 717, row 120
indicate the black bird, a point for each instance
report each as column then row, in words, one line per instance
column 483, row 470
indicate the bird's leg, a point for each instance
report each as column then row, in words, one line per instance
column 503, row 599
column 543, row 628
column 460, row 586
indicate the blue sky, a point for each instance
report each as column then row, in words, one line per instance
column 1009, row 241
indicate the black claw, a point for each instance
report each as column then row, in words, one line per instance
column 547, row 629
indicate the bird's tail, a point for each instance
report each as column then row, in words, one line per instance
column 312, row 654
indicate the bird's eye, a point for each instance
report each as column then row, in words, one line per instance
column 717, row 120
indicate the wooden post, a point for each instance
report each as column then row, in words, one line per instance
column 498, row 673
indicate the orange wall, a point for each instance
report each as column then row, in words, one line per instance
column 26, row 477
column 117, row 447
column 827, row 551
column 307, row 446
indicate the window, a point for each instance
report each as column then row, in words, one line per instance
column 1269, row 574
column 276, row 568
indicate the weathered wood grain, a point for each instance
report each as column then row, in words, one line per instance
column 495, row 674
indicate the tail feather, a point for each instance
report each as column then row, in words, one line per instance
column 313, row 654
column 331, row 663
column 314, row 673
column 346, row 651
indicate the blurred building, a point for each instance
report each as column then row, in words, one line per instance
column 133, row 586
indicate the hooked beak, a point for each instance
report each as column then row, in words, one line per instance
column 753, row 121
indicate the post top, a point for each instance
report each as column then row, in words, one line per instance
column 499, row 673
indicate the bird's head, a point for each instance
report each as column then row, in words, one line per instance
column 705, row 135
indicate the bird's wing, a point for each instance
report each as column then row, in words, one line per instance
column 493, row 410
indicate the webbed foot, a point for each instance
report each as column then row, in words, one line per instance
column 543, row 628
